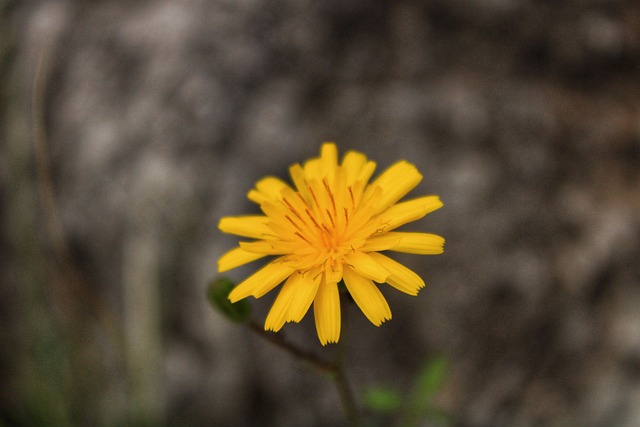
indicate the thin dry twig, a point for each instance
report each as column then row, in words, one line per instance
column 75, row 279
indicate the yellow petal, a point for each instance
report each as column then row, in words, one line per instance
column 366, row 172
column 262, row 281
column 276, row 211
column 254, row 226
column 256, row 197
column 395, row 182
column 361, row 218
column 326, row 310
column 293, row 301
column 268, row 188
column 313, row 169
column 298, row 177
column 276, row 317
column 333, row 272
column 352, row 164
column 367, row 296
column 412, row 210
column 306, row 288
column 402, row 278
column 329, row 156
column 270, row 247
column 413, row 243
column 350, row 199
column 235, row 258
column 366, row 266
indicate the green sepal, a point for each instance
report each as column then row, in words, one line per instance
column 218, row 295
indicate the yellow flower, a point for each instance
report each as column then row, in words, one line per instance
column 330, row 227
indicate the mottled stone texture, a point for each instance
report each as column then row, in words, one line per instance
column 159, row 116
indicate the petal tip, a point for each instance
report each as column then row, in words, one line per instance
column 437, row 203
column 383, row 320
column 234, row 298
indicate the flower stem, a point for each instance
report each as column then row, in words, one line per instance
column 346, row 397
column 280, row 341
column 339, row 377
column 335, row 369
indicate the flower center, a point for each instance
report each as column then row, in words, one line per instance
column 322, row 224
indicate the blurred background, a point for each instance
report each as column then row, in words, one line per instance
column 128, row 128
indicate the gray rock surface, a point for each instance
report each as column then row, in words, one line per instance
column 159, row 117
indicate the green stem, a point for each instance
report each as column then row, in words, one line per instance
column 335, row 369
column 344, row 390
column 280, row 341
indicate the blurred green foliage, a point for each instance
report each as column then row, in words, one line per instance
column 417, row 405
column 382, row 400
column 430, row 380
column 218, row 295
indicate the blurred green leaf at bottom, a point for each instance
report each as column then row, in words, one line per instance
column 430, row 379
column 218, row 296
column 382, row 400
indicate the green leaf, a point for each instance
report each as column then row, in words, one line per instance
column 430, row 380
column 218, row 295
column 382, row 400
column 421, row 405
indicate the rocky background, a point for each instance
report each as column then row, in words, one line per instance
column 128, row 128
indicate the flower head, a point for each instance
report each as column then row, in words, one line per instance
column 329, row 227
